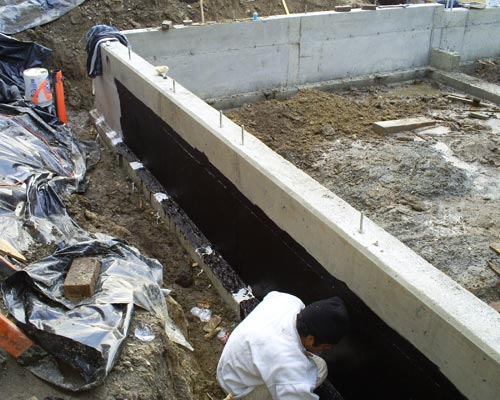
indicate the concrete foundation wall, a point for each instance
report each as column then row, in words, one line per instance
column 450, row 326
column 277, row 52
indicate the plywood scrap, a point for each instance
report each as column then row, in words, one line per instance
column 401, row 125
column 81, row 278
column 8, row 250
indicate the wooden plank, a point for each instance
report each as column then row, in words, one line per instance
column 401, row 125
column 464, row 99
column 479, row 115
column 495, row 248
column 10, row 267
column 7, row 249
column 495, row 268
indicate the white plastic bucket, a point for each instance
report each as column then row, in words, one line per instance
column 37, row 84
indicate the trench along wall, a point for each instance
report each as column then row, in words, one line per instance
column 447, row 324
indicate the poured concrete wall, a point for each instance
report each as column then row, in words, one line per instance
column 451, row 327
column 279, row 52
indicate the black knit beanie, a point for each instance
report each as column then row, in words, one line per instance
column 326, row 320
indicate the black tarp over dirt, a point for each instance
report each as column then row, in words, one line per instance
column 19, row 15
column 40, row 161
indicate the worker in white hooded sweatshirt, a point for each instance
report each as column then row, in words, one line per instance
column 271, row 354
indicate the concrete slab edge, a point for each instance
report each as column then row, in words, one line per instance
column 471, row 85
column 195, row 243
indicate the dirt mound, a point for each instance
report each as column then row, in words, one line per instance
column 67, row 35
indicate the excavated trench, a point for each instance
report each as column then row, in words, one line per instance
column 267, row 258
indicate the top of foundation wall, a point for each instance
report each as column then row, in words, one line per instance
column 220, row 60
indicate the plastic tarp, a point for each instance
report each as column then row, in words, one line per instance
column 38, row 163
column 19, row 15
column 15, row 57
column 85, row 335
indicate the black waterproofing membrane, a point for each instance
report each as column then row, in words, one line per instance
column 19, row 15
column 40, row 161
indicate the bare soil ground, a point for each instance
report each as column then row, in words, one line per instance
column 66, row 36
column 488, row 70
column 156, row 369
column 436, row 189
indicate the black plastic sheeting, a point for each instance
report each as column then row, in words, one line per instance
column 15, row 57
column 41, row 161
column 83, row 336
column 19, row 15
column 38, row 163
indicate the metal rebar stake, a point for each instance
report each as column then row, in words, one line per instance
column 242, row 135
column 361, row 222
column 220, row 118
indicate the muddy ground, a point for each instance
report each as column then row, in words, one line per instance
column 437, row 189
column 66, row 36
column 321, row 139
column 156, row 369
column 488, row 70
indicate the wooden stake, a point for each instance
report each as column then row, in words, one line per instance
column 202, row 12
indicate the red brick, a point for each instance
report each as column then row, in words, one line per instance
column 81, row 278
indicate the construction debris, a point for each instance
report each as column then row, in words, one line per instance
column 213, row 323
column 479, row 115
column 495, row 248
column 494, row 267
column 12, row 339
column 212, row 333
column 81, row 279
column 464, row 99
column 401, row 125
column 8, row 250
